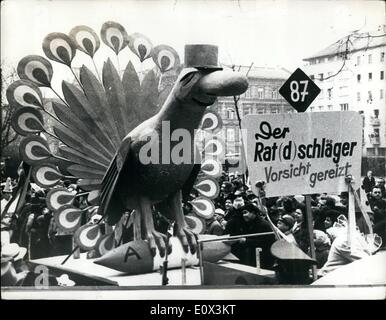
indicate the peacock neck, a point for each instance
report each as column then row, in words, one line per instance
column 181, row 114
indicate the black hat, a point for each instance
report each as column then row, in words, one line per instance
column 202, row 57
column 250, row 207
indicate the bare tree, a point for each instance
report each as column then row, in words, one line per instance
column 354, row 41
column 8, row 135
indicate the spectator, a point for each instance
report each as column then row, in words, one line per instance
column 237, row 204
column 378, row 205
column 214, row 227
column 368, row 182
column 285, row 225
column 219, row 216
column 288, row 205
column 248, row 221
column 342, row 206
column 274, row 214
column 226, row 193
column 299, row 229
column 380, row 183
column 341, row 253
column 322, row 247
column 37, row 228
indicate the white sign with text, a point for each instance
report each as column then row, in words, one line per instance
column 303, row 153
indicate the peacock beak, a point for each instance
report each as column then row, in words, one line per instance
column 223, row 83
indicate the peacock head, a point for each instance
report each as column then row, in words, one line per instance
column 201, row 87
column 203, row 80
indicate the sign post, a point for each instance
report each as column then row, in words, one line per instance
column 303, row 153
column 302, row 91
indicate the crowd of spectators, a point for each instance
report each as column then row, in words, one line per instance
column 238, row 211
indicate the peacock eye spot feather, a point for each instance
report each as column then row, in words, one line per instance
column 210, row 167
column 33, row 124
column 72, row 216
column 51, row 175
column 88, row 45
column 142, row 52
column 41, row 76
column 30, row 98
column 92, row 233
column 115, row 42
column 63, row 54
column 165, row 63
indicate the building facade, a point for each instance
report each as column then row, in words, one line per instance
column 262, row 97
column 351, row 76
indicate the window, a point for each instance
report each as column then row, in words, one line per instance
column 312, row 109
column 343, row 106
column 370, row 58
column 260, row 111
column 320, row 76
column 260, row 93
column 231, row 114
column 382, row 75
column 381, row 94
column 382, row 56
column 376, row 113
column 247, row 111
column 358, row 60
column 312, row 77
column 343, row 91
column 371, row 151
column 230, row 134
column 370, row 76
column 370, row 97
column 358, row 96
column 329, row 107
column 320, row 108
column 358, row 77
column 274, row 94
column 317, row 61
column 253, row 91
column 329, row 93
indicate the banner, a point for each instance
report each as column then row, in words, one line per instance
column 303, row 153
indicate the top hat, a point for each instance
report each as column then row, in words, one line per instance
column 202, row 57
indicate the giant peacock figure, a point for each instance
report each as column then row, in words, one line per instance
column 103, row 122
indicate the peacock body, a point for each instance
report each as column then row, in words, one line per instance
column 102, row 123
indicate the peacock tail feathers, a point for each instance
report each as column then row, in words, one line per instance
column 93, row 114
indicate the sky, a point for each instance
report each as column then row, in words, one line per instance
column 267, row 33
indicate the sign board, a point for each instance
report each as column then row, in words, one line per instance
column 303, row 153
column 299, row 90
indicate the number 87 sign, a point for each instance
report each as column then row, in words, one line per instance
column 299, row 90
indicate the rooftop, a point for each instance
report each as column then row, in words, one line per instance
column 354, row 42
column 262, row 72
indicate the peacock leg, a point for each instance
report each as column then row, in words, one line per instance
column 186, row 236
column 154, row 238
